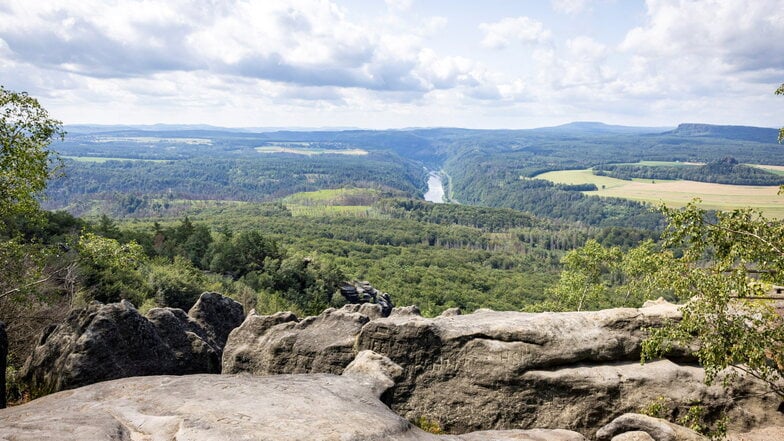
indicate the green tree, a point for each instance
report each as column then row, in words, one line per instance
column 244, row 253
column 177, row 285
column 586, row 277
column 109, row 270
column 728, row 264
column 107, row 227
column 26, row 161
column 780, row 91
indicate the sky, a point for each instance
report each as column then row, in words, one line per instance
column 397, row 63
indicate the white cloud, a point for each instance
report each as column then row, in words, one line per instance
column 569, row 6
column 503, row 33
column 399, row 5
column 309, row 43
column 742, row 36
column 250, row 62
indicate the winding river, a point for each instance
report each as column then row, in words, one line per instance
column 435, row 188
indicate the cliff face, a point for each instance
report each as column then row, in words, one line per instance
column 490, row 370
column 741, row 133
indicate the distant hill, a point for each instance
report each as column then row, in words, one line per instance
column 113, row 128
column 601, row 128
column 741, row 133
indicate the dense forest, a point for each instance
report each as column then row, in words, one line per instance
column 147, row 187
column 723, row 171
column 141, row 173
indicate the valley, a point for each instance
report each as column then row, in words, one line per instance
column 391, row 220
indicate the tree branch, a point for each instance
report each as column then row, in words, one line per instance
column 749, row 234
column 37, row 282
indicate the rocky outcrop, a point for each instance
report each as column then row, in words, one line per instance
column 493, row 370
column 359, row 292
column 217, row 316
column 283, row 344
column 235, row 407
column 3, row 361
column 105, row 342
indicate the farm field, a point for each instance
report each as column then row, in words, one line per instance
column 310, row 151
column 677, row 193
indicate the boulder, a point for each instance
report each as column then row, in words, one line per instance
column 283, row 344
column 491, row 369
column 187, row 348
column 3, row 361
column 105, row 342
column 656, row 428
column 217, row 316
column 524, row 435
column 633, row 436
column 501, row 370
column 234, row 407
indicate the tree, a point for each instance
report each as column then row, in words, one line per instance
column 26, row 162
column 177, row 285
column 780, row 91
column 728, row 264
column 584, row 279
column 109, row 270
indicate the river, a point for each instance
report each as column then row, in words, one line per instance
column 435, row 188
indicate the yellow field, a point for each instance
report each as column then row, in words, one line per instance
column 677, row 193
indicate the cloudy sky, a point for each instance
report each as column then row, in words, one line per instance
column 397, row 63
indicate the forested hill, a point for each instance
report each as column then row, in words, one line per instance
column 121, row 166
column 744, row 133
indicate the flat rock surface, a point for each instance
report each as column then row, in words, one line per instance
column 226, row 407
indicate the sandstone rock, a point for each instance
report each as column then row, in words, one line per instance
column 771, row 433
column 492, row 370
column 231, row 407
column 451, row 312
column 371, row 310
column 633, row 436
column 104, row 342
column 280, row 343
column 217, row 316
column 374, row 370
column 3, row 360
column 656, row 428
column 524, row 435
column 188, row 349
column 406, row 311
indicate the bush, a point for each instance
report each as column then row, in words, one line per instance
column 177, row 285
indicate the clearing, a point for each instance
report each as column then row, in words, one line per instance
column 332, row 202
column 308, row 150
